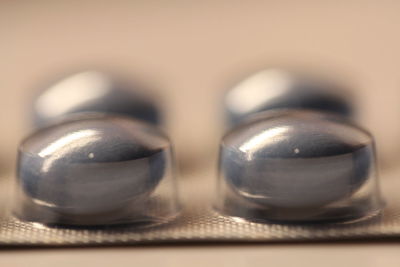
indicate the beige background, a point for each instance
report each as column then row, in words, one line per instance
column 189, row 52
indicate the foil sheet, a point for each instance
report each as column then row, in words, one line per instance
column 200, row 223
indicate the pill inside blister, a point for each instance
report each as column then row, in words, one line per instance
column 96, row 169
column 278, row 88
column 92, row 91
column 296, row 165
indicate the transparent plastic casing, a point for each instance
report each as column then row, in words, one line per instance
column 92, row 91
column 274, row 88
column 96, row 170
column 298, row 166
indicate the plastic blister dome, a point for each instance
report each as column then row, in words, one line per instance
column 275, row 88
column 96, row 170
column 296, row 165
column 92, row 91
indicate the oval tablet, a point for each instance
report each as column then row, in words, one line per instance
column 276, row 88
column 296, row 160
column 91, row 91
column 101, row 164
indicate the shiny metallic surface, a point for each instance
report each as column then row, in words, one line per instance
column 278, row 88
column 96, row 167
column 296, row 160
column 91, row 91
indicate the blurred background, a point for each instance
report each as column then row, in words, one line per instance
column 189, row 52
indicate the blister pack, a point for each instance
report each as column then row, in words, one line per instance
column 292, row 166
column 200, row 223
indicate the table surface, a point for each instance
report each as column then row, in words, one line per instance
column 192, row 50
column 348, row 254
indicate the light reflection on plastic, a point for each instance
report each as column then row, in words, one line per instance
column 255, row 91
column 265, row 138
column 67, row 140
column 59, row 148
column 78, row 89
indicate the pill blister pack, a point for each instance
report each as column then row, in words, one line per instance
column 292, row 167
column 200, row 223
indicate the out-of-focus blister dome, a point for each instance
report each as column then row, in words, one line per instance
column 92, row 91
column 277, row 88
